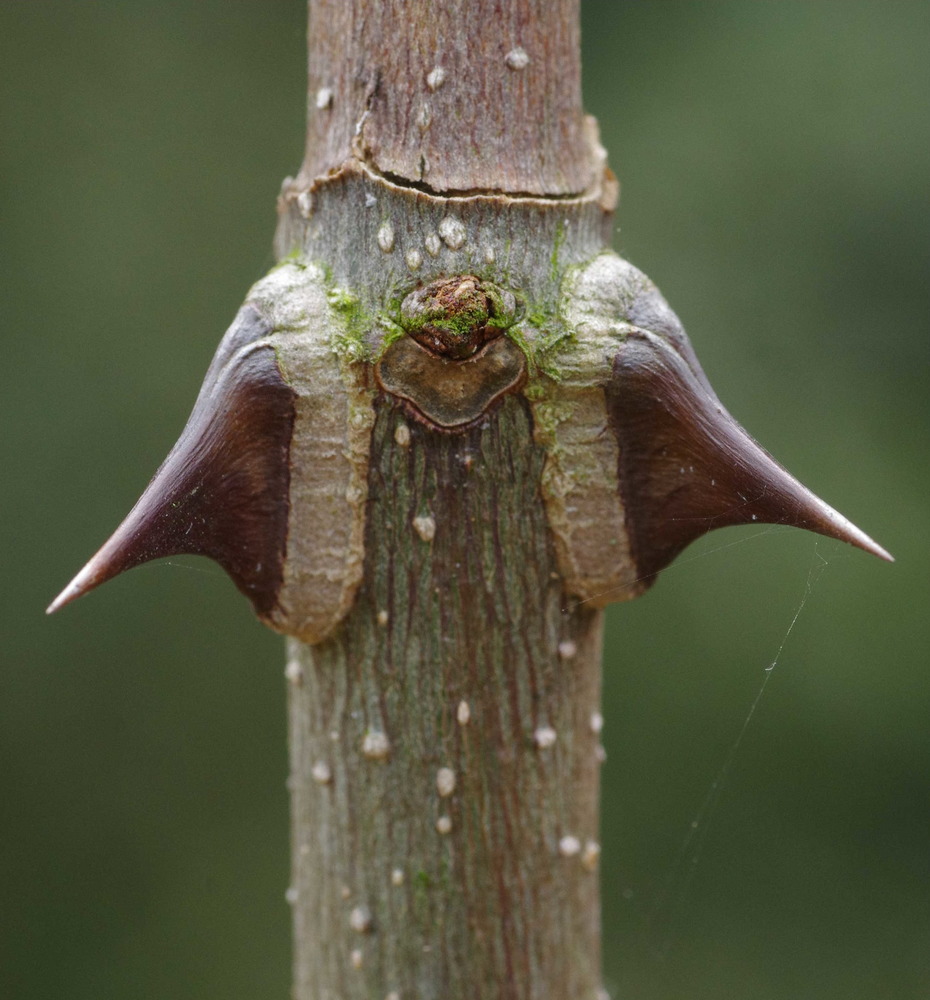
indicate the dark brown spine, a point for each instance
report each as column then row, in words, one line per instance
column 222, row 492
column 687, row 467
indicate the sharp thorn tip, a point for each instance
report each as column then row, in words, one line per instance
column 65, row 597
column 882, row 553
column 79, row 586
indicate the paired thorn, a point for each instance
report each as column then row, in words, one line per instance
column 222, row 491
column 687, row 467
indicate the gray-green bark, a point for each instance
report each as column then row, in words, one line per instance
column 444, row 738
column 452, row 96
column 445, row 744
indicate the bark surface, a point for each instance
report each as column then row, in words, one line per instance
column 454, row 97
column 444, row 762
column 444, row 739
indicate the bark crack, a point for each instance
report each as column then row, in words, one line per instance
column 423, row 188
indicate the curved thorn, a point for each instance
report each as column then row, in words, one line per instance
column 222, row 491
column 687, row 467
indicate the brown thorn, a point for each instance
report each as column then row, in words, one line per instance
column 222, row 491
column 687, row 467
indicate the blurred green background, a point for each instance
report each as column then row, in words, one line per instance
column 775, row 159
